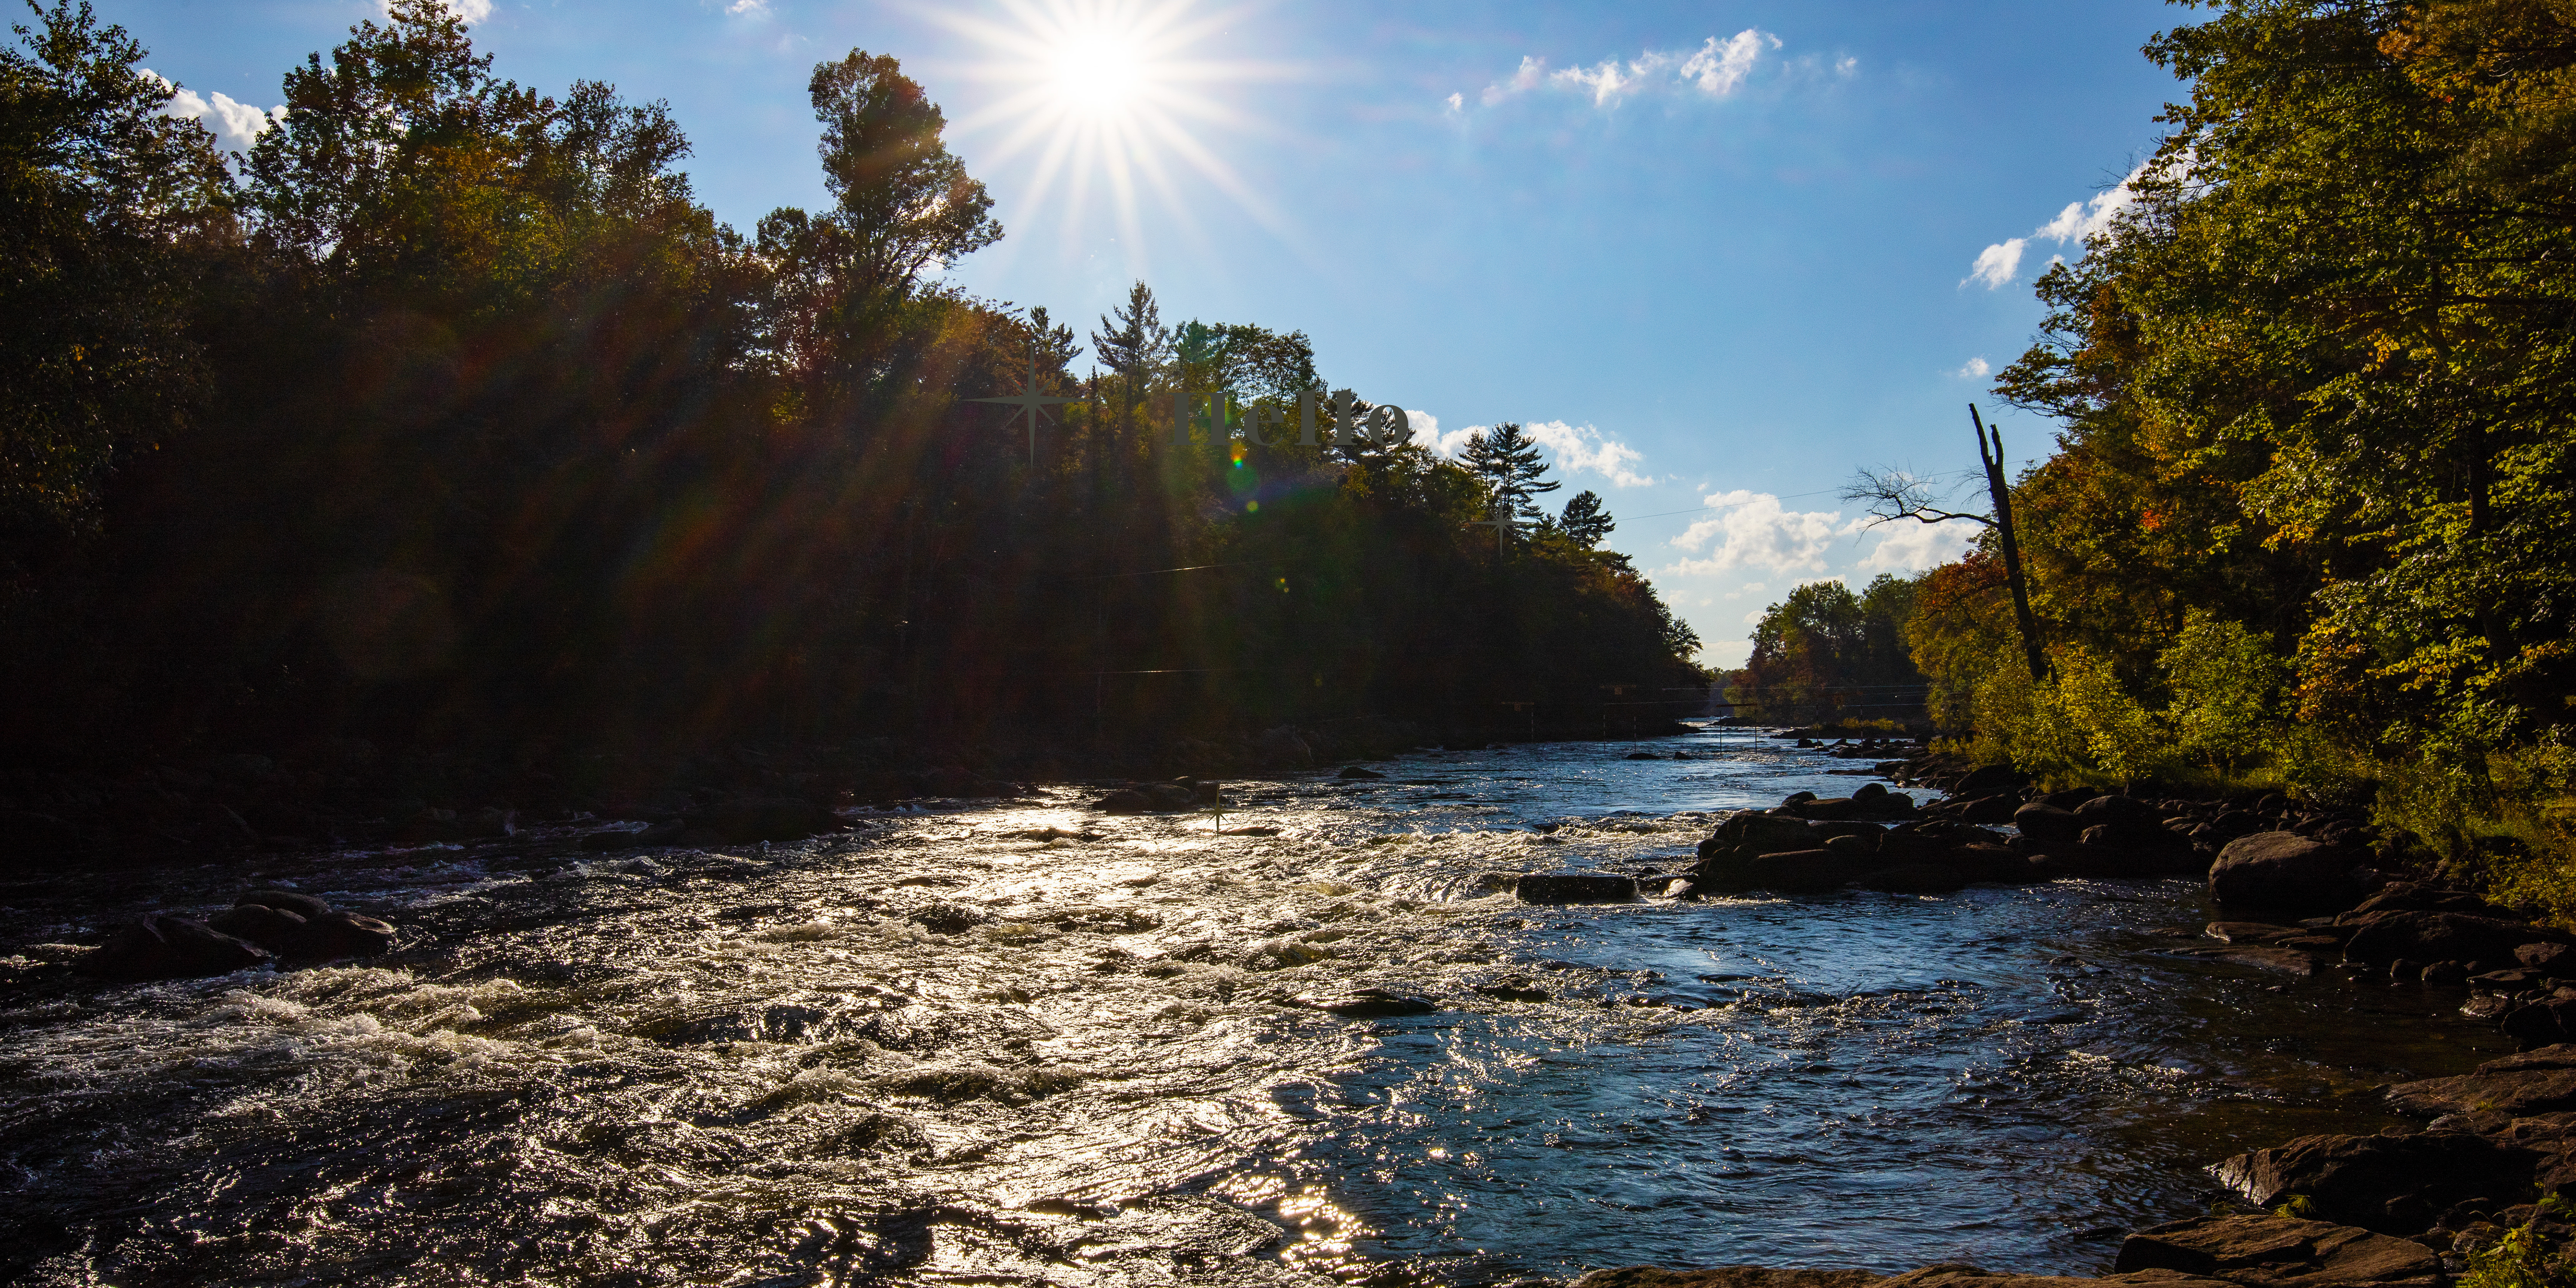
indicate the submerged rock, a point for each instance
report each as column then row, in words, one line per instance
column 162, row 946
column 1575, row 887
column 1374, row 1003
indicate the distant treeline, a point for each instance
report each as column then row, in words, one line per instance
column 2311, row 517
column 448, row 413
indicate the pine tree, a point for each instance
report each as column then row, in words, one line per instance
column 1508, row 460
column 1132, row 341
column 1586, row 519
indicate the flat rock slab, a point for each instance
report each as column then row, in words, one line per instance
column 1972, row 1277
column 1725, row 1277
column 2534, row 1082
column 2357, row 1178
column 2280, row 1252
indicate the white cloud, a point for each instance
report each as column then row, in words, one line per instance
column 236, row 125
column 1576, row 447
column 1717, row 68
column 1973, row 369
column 469, row 10
column 1847, row 67
column 1755, row 532
column 1584, row 448
column 1996, row 264
column 756, row 8
column 1457, row 102
column 1913, row 547
column 2078, row 223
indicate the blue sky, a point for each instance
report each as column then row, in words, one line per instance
column 1720, row 253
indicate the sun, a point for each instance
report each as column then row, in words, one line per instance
column 1114, row 98
column 1098, row 74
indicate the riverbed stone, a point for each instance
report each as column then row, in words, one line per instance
column 2534, row 1082
column 1725, row 1277
column 2047, row 826
column 2390, row 1183
column 1575, row 887
column 162, row 946
column 294, row 901
column 1959, row 1276
column 2279, row 1252
column 1786, row 872
column 2284, row 872
column 2440, row 937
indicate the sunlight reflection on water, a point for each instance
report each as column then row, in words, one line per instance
column 945, row 1050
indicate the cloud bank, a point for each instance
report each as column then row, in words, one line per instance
column 1716, row 69
column 1755, row 531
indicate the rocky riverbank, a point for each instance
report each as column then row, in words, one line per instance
column 2484, row 1180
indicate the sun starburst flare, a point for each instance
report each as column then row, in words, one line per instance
column 1109, row 95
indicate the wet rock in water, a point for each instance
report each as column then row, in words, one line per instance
column 2248, row 932
column 2558, row 961
column 1283, row 747
column 1787, row 872
column 1575, row 887
column 2541, row 1081
column 294, row 901
column 1373, row 1003
column 2269, row 1250
column 2537, row 1024
column 1981, row 861
column 2414, row 896
column 2440, row 937
column 1354, row 772
column 345, row 934
column 276, row 930
column 161, row 946
column 2366, row 1180
column 1125, row 800
column 2271, row 957
column 879, row 1134
column 1957, row 1276
column 765, row 818
column 1514, row 989
column 2284, row 872
column 1725, row 1277
column 949, row 918
column 1641, row 755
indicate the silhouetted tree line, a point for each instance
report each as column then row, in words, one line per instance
column 448, row 413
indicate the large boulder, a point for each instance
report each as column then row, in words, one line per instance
column 2047, row 827
column 2279, row 1250
column 1282, row 747
column 1787, row 872
column 1750, row 832
column 162, row 946
column 2535, row 1082
column 2383, row 937
column 2284, row 872
column 2388, row 1183
column 1575, row 887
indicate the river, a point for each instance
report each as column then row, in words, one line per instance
column 941, row 1050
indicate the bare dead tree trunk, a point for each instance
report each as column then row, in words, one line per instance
column 1990, row 449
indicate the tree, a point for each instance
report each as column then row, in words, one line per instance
column 1507, row 459
column 904, row 199
column 1586, row 520
column 1133, row 342
column 100, row 193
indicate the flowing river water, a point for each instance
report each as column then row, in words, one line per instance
column 941, row 1050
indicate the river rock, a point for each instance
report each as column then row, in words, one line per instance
column 1355, row 772
column 162, row 946
column 666, row 833
column 1916, row 878
column 2414, row 896
column 1725, row 1277
column 1957, row 1276
column 2279, row 1250
column 2541, row 1081
column 1750, row 832
column 2047, row 826
column 2382, row 937
column 294, row 901
column 1575, row 887
column 1787, row 872
column 764, row 818
column 1125, row 800
column 2387, row 1183
column 1374, row 1003
column 2284, row 872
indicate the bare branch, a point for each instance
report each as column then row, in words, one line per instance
column 1893, row 494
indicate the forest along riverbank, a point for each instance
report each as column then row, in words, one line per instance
column 1034, row 1040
